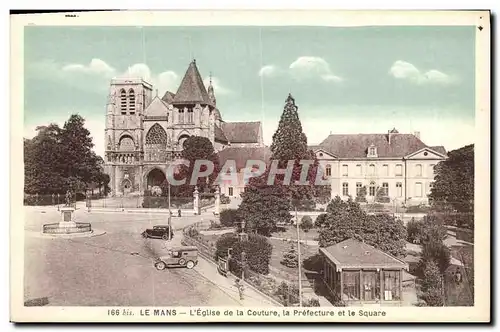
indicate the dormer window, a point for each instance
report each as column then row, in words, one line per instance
column 372, row 151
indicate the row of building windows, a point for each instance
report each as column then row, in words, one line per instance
column 372, row 170
column 372, row 189
column 127, row 102
column 186, row 118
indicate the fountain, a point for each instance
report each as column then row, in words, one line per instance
column 67, row 225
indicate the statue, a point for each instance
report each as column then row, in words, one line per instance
column 68, row 198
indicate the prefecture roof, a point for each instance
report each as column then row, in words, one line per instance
column 192, row 90
column 242, row 132
column 168, row 97
column 352, row 253
column 439, row 149
column 241, row 154
column 356, row 145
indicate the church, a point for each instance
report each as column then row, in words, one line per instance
column 144, row 133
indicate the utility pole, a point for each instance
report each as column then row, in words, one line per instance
column 300, row 262
column 242, row 237
column 169, row 215
column 243, row 263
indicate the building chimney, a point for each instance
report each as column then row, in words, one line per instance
column 390, row 133
column 417, row 134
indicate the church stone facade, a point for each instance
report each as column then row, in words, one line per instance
column 145, row 133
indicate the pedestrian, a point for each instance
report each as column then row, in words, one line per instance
column 240, row 288
column 179, row 213
column 458, row 277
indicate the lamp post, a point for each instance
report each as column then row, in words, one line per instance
column 169, row 215
column 298, row 254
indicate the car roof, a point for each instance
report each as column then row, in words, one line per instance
column 184, row 248
column 160, row 226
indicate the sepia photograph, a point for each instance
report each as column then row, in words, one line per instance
column 213, row 168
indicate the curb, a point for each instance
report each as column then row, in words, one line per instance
column 270, row 299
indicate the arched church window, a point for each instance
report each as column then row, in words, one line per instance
column 182, row 139
column 190, row 115
column 181, row 116
column 156, row 135
column 123, row 101
column 131, row 101
column 126, row 144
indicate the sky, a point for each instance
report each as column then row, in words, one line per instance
column 344, row 80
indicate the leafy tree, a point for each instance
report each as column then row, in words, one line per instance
column 57, row 159
column 290, row 143
column 432, row 287
column 381, row 197
column 229, row 217
column 437, row 252
column 346, row 219
column 290, row 258
column 454, row 181
column 313, row 263
column 361, row 195
column 258, row 251
column 320, row 220
column 263, row 207
column 389, row 234
column 311, row 303
column 264, row 204
column 79, row 158
column 306, row 223
column 43, row 156
column 195, row 148
column 430, row 229
column 288, row 293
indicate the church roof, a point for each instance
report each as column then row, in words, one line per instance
column 157, row 107
column 219, row 135
column 241, row 154
column 356, row 145
column 242, row 132
column 192, row 90
column 168, row 97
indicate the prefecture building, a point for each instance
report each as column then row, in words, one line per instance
column 400, row 165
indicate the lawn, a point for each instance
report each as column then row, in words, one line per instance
column 280, row 247
column 291, row 233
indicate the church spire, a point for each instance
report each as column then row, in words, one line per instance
column 211, row 94
column 191, row 90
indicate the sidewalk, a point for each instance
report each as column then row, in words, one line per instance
column 251, row 298
column 208, row 269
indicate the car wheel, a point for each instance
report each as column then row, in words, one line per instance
column 182, row 261
column 190, row 264
column 165, row 237
column 160, row 266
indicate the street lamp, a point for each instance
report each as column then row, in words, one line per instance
column 298, row 254
column 169, row 215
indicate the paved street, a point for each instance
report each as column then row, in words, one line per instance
column 111, row 269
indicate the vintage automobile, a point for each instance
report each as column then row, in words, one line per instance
column 158, row 232
column 185, row 256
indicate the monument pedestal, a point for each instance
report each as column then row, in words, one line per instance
column 67, row 213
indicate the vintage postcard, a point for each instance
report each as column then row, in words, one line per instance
column 252, row 166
